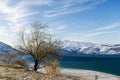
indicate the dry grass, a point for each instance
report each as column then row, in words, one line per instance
column 52, row 68
column 7, row 73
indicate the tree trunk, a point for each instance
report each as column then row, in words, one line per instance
column 36, row 65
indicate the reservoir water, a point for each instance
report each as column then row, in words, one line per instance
column 109, row 65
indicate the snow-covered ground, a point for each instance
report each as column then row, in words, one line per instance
column 86, row 74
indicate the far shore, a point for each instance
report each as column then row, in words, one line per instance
column 86, row 74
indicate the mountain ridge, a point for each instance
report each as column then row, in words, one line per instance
column 76, row 48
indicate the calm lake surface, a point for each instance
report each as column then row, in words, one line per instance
column 103, row 64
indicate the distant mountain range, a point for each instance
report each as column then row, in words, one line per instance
column 76, row 48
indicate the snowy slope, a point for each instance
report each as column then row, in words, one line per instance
column 74, row 47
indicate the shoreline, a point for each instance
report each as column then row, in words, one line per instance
column 86, row 74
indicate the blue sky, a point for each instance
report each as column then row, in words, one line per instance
column 96, row 21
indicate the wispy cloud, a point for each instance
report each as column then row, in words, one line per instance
column 3, row 31
column 109, row 27
column 17, row 15
column 88, row 36
column 71, row 6
column 59, row 29
column 62, row 27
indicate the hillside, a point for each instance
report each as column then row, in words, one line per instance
column 5, row 48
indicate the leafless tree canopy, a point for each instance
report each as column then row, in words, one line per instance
column 38, row 43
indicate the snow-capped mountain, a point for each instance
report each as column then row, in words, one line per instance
column 74, row 47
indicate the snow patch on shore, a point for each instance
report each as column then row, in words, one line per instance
column 86, row 74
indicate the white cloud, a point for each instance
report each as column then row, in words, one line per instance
column 16, row 15
column 71, row 6
column 19, row 13
column 36, row 2
column 53, row 13
column 59, row 29
column 3, row 31
column 88, row 36
column 98, row 33
column 62, row 27
column 13, row 14
column 109, row 27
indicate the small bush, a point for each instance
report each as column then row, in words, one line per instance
column 51, row 67
column 8, row 58
column 22, row 63
column 13, row 60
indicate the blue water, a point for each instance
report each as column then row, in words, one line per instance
column 103, row 64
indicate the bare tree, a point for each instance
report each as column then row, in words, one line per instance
column 38, row 43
